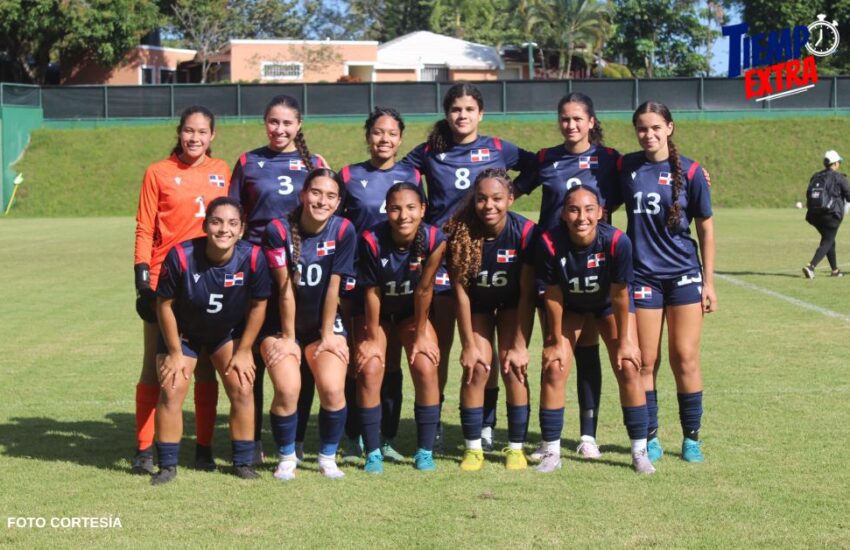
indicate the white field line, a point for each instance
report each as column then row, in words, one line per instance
column 794, row 301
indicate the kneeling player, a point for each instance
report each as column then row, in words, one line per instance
column 587, row 267
column 206, row 287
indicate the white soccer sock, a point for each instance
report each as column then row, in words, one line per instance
column 638, row 446
column 588, row 439
column 514, row 445
column 473, row 444
column 487, row 433
column 553, row 446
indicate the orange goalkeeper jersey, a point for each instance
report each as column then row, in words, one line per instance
column 172, row 206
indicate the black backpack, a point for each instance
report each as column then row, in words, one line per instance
column 820, row 196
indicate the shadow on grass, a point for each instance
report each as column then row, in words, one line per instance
column 761, row 274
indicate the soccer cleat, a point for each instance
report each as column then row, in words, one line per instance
column 538, row 453
column 204, row 458
column 588, row 448
column 329, row 469
column 299, row 452
column 692, row 450
column 374, row 462
column 143, row 463
column 515, row 459
column 473, row 460
column 551, row 461
column 285, row 470
column 654, row 450
column 245, row 471
column 439, row 443
column 353, row 450
column 487, row 438
column 808, row 272
column 389, row 452
column 424, row 460
column 258, row 457
column 164, row 475
column 837, row 273
column 642, row 464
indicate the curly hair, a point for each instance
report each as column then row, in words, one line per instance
column 595, row 135
column 674, row 215
column 466, row 232
column 294, row 217
column 441, row 138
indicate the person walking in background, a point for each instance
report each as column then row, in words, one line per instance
column 825, row 198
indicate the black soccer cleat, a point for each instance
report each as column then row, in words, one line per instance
column 204, row 459
column 143, row 463
column 245, row 471
column 164, row 475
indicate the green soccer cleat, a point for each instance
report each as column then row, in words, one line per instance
column 390, row 453
column 353, row 450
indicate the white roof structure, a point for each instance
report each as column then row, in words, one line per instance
column 420, row 48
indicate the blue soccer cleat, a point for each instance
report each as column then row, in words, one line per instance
column 692, row 450
column 374, row 462
column 654, row 450
column 424, row 461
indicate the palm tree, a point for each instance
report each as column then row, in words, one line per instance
column 455, row 14
column 567, row 23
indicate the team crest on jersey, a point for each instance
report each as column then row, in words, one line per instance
column 364, row 182
column 442, row 156
column 442, row 279
column 384, row 262
column 296, row 164
column 196, row 276
column 665, row 178
column 217, row 180
column 643, row 293
column 555, row 164
column 563, row 262
column 233, row 279
column 505, row 256
column 595, row 260
column 587, row 163
column 178, row 180
column 325, row 248
column 260, row 163
column 350, row 283
column 479, row 155
column 415, row 264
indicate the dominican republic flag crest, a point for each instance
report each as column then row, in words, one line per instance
column 325, row 248
column 586, row 163
column 505, row 256
column 296, row 164
column 442, row 279
column 665, row 178
column 414, row 264
column 233, row 279
column 479, row 155
column 643, row 293
column 350, row 283
column 217, row 180
column 594, row 260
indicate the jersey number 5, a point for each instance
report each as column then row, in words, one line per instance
column 215, row 303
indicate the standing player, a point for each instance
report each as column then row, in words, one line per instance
column 268, row 181
column 318, row 248
column 452, row 157
column 580, row 160
column 212, row 297
column 172, row 206
column 490, row 264
column 399, row 260
column 663, row 192
column 366, row 185
column 586, row 266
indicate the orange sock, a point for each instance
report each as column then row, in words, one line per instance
column 147, row 396
column 206, row 400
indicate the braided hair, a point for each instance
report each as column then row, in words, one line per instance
column 300, row 142
column 294, row 217
column 595, row 134
column 184, row 116
column 441, row 137
column 419, row 248
column 466, row 232
column 674, row 215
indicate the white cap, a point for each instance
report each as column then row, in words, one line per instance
column 832, row 156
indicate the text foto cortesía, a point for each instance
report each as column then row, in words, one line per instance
column 63, row 522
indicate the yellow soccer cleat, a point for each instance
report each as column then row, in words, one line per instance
column 515, row 459
column 473, row 460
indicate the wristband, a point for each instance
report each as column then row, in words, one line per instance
column 142, row 276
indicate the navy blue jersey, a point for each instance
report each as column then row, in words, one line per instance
column 497, row 284
column 450, row 174
column 210, row 300
column 558, row 170
column 396, row 272
column 330, row 252
column 366, row 191
column 585, row 275
column 646, row 189
column 267, row 183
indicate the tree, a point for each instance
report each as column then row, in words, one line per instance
column 35, row 33
column 385, row 20
column 563, row 25
column 205, row 28
column 658, row 37
column 454, row 16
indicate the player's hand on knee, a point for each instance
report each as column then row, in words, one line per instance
column 516, row 361
column 366, row 351
column 172, row 366
column 335, row 344
column 628, row 355
column 426, row 347
column 555, row 356
column 471, row 359
column 242, row 364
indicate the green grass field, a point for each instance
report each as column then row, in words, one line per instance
column 775, row 429
column 97, row 172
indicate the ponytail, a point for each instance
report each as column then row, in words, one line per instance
column 674, row 215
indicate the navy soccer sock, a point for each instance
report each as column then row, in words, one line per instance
column 283, row 429
column 636, row 420
column 243, row 452
column 258, row 396
column 167, row 453
column 551, row 424
column 370, row 422
column 588, row 387
column 690, row 414
column 331, row 426
column 652, row 414
column 427, row 417
column 517, row 423
column 352, row 421
column 471, row 420
column 391, row 398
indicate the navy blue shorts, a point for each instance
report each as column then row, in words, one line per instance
column 307, row 337
column 192, row 347
column 442, row 283
column 652, row 293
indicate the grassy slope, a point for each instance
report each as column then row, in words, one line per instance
column 775, row 430
column 97, row 172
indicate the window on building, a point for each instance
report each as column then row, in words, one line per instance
column 167, row 76
column 147, row 75
column 435, row 73
column 273, row 70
